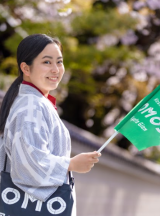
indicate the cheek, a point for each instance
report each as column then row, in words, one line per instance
column 43, row 69
column 62, row 69
column 38, row 74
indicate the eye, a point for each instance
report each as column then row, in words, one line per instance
column 47, row 62
column 60, row 62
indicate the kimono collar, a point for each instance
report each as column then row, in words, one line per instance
column 50, row 97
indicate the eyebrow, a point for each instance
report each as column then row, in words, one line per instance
column 60, row 57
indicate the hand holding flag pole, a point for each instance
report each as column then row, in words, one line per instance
column 141, row 126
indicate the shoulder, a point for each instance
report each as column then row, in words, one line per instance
column 33, row 99
column 28, row 111
column 29, row 105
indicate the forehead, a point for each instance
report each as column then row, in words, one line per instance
column 51, row 50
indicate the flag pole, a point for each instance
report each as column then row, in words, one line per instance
column 108, row 141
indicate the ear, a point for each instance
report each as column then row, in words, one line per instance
column 25, row 68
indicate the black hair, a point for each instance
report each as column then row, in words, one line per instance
column 28, row 49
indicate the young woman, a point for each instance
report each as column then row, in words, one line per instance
column 33, row 136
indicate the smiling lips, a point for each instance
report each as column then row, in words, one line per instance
column 52, row 78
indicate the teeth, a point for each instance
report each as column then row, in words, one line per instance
column 55, row 78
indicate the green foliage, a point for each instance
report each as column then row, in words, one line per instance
column 99, row 22
column 11, row 43
column 9, row 66
column 53, row 29
column 121, row 53
column 2, row 84
column 18, row 3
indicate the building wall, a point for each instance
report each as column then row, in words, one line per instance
column 115, row 187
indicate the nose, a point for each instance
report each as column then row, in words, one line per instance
column 55, row 69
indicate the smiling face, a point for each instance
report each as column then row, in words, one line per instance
column 47, row 69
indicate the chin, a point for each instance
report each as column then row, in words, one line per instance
column 54, row 87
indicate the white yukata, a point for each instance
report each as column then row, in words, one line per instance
column 37, row 143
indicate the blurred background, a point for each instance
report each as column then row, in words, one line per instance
column 111, row 57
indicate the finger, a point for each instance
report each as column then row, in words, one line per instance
column 95, row 157
column 95, row 154
column 99, row 154
column 97, row 160
column 94, row 160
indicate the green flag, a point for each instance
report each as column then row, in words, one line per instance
column 141, row 126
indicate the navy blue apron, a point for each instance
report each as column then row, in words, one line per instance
column 15, row 202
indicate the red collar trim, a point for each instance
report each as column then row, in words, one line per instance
column 50, row 97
